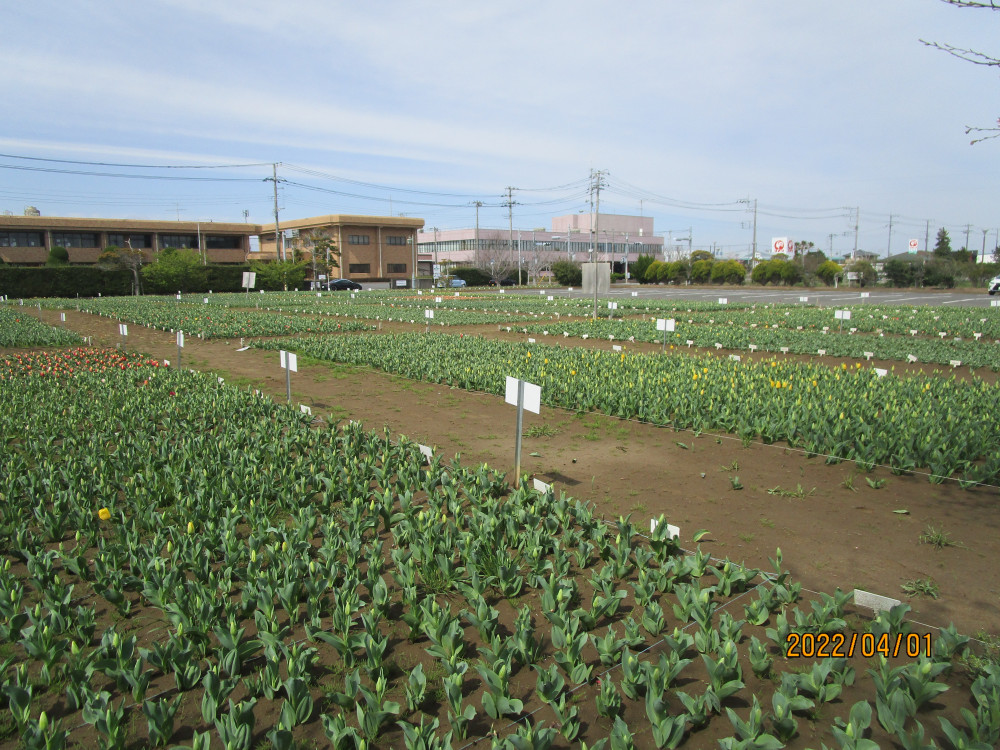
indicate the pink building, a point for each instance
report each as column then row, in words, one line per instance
column 571, row 237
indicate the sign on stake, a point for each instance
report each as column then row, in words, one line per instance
column 180, row 345
column 429, row 315
column 541, row 486
column 123, row 332
column 666, row 324
column 523, row 395
column 290, row 364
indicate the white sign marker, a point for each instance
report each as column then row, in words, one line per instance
column 874, row 602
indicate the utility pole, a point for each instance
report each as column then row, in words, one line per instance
column 436, row 266
column 478, row 205
column 857, row 221
column 888, row 247
column 753, row 251
column 510, row 228
column 968, row 228
column 279, row 240
column 597, row 176
column 927, row 236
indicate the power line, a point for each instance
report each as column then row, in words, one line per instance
column 127, row 176
column 134, row 166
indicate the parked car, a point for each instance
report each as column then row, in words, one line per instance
column 994, row 286
column 341, row 284
column 457, row 283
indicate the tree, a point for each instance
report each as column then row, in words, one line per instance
column 728, row 272
column 942, row 248
column 813, row 260
column 652, row 274
column 828, row 271
column 567, row 273
column 123, row 258
column 58, row 256
column 975, row 57
column 638, row 269
column 940, row 272
column 802, row 248
column 900, row 272
column 867, row 275
column 323, row 251
column 701, row 255
column 791, row 273
column 179, row 269
column 701, row 271
column 497, row 256
column 279, row 274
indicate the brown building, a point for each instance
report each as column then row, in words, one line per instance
column 372, row 248
column 27, row 240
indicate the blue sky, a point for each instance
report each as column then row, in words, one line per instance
column 812, row 109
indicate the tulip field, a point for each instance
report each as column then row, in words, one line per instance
column 848, row 413
column 187, row 563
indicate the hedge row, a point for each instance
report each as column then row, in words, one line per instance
column 91, row 281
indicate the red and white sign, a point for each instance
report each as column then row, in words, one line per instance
column 913, row 246
column 780, row 245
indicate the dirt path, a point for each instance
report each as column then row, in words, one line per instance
column 830, row 534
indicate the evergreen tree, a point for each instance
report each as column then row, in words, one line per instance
column 942, row 247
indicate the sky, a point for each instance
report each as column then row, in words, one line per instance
column 825, row 115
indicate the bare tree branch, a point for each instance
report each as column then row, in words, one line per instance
column 969, row 55
column 972, row 56
column 991, row 5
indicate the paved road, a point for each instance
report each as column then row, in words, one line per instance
column 822, row 297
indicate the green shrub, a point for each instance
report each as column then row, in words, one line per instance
column 471, row 276
column 567, row 273
column 638, row 269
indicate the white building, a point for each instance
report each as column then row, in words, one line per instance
column 570, row 238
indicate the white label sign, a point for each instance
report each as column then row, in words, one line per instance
column 541, row 486
column 723, row 301
column 532, row 394
column 123, row 329
column 874, row 602
column 180, row 339
column 289, row 361
column 428, row 314
column 667, row 324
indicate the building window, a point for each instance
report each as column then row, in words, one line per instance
column 396, row 268
column 137, row 241
column 74, row 239
column 179, row 240
column 223, row 242
column 359, row 268
column 394, row 239
column 20, row 239
column 358, row 239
